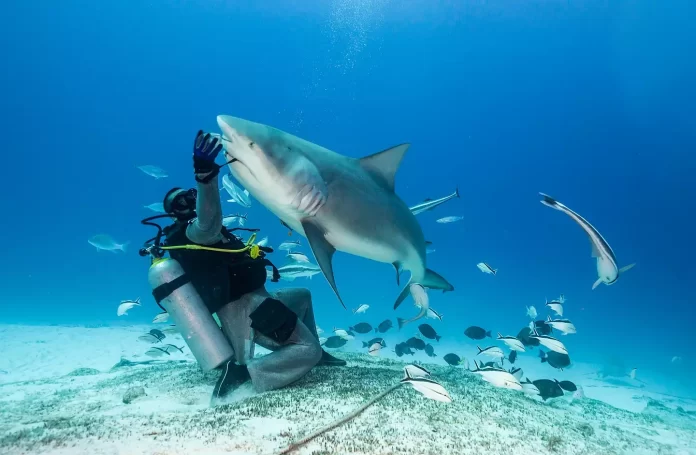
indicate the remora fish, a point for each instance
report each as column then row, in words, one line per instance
column 336, row 202
column 607, row 268
column 430, row 204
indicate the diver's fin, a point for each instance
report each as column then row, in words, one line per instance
column 383, row 165
column 626, row 268
column 596, row 283
column 323, row 253
column 434, row 281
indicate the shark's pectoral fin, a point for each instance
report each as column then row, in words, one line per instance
column 596, row 283
column 323, row 253
column 383, row 165
column 626, row 268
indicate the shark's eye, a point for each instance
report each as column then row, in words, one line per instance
column 251, row 144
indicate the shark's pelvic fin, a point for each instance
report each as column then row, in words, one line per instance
column 323, row 253
column 397, row 267
column 626, row 268
column 431, row 281
column 383, row 165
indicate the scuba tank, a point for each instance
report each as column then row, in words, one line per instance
column 174, row 292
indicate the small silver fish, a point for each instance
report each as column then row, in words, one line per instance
column 229, row 220
column 485, row 268
column 531, row 312
column 298, row 257
column 432, row 314
column 172, row 348
column 263, row 242
column 157, row 352
column 156, row 207
column 127, row 305
column 298, row 270
column 343, row 334
column 556, row 305
column 154, row 171
column 289, row 245
column 374, row 349
column 240, row 197
column 491, row 351
column 160, row 318
column 149, row 338
column 361, row 309
column 415, row 371
column 449, row 219
column 107, row 243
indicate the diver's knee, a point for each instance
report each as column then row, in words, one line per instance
column 294, row 295
column 314, row 351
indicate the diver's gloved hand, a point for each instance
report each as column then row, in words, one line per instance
column 205, row 149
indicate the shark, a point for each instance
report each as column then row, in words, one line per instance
column 337, row 202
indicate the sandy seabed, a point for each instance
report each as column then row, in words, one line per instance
column 62, row 391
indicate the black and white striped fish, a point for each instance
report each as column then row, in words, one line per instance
column 607, row 268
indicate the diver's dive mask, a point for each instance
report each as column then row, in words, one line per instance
column 181, row 203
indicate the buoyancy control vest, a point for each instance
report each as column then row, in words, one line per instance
column 218, row 277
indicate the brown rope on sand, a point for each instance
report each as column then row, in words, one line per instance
column 296, row 445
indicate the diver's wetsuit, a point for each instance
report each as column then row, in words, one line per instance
column 292, row 358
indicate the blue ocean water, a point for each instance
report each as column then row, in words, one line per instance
column 590, row 102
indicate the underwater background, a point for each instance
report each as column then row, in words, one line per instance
column 590, row 102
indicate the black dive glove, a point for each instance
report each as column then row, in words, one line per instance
column 205, row 149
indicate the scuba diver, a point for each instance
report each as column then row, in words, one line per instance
column 228, row 276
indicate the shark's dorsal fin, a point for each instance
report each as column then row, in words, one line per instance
column 323, row 253
column 383, row 165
